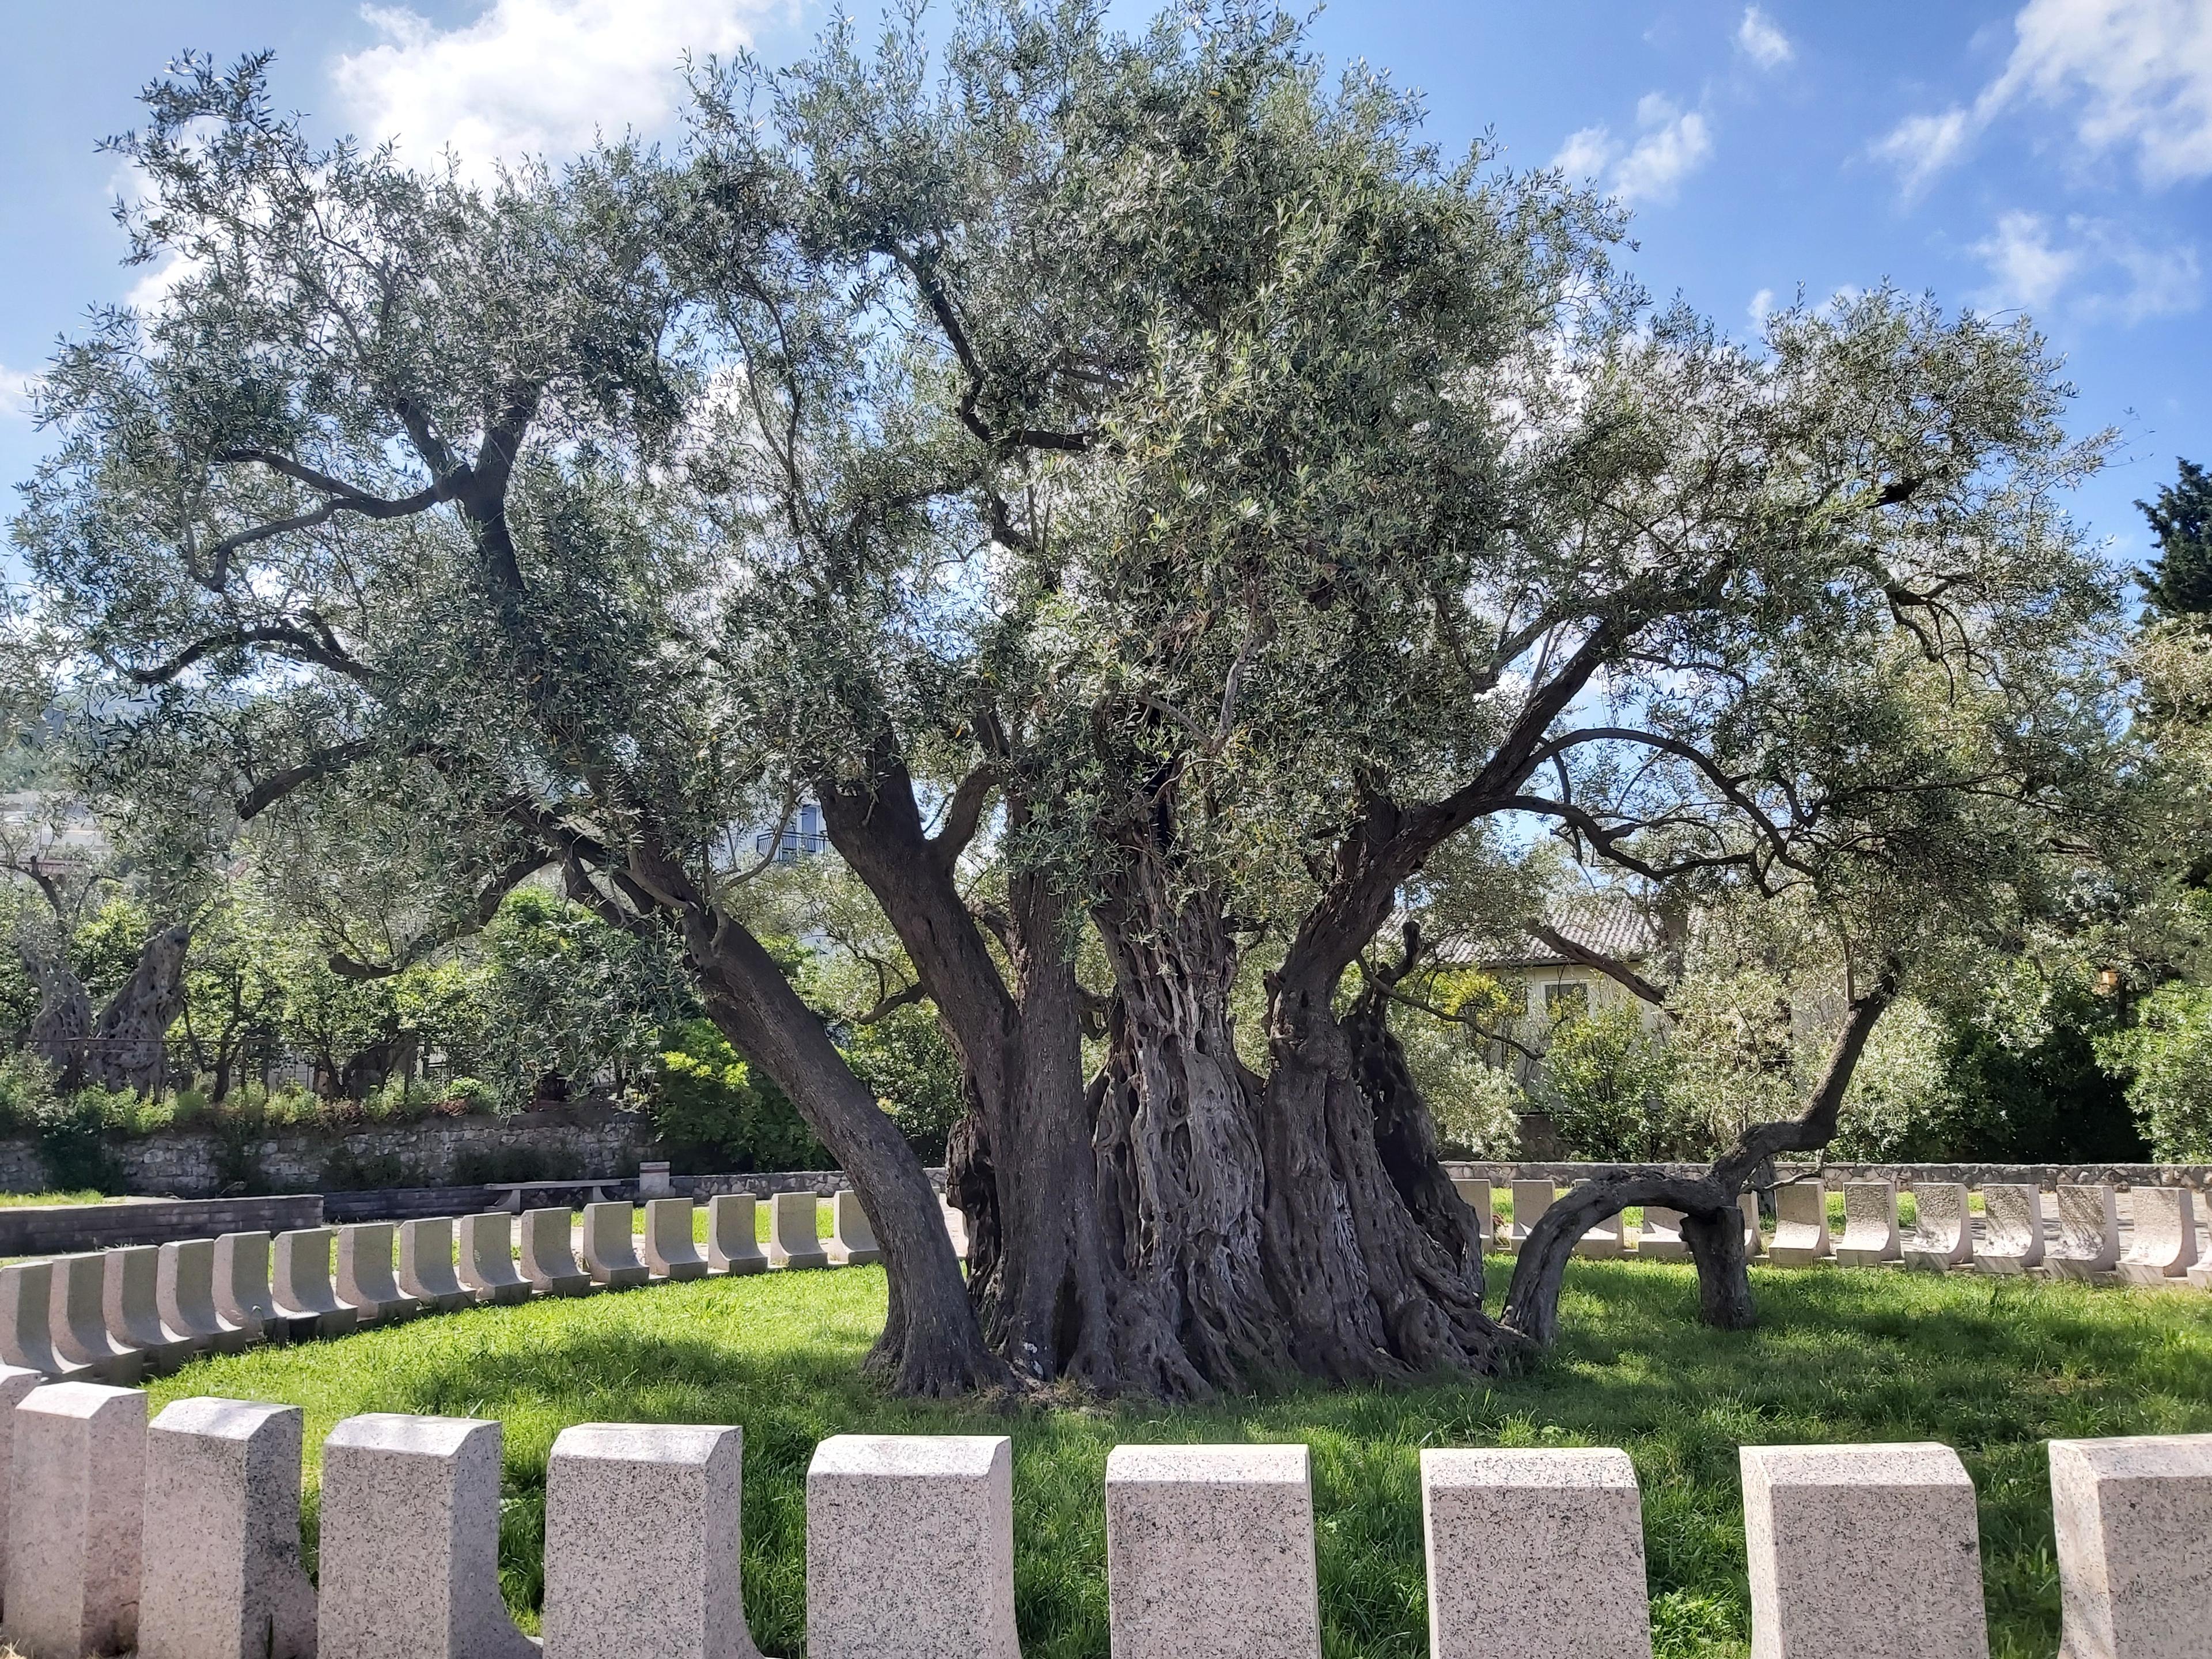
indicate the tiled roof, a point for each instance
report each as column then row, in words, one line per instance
column 1611, row 927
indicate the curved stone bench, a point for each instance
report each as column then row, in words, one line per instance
column 2088, row 1242
column 2012, row 1230
column 2162, row 1241
column 1942, row 1228
column 1869, row 1238
column 1800, row 1225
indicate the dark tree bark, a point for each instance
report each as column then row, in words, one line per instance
column 1019, row 1165
column 58, row 1029
column 129, row 1046
column 1180, row 1224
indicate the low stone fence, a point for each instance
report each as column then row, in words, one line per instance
column 115, row 1315
column 59, row 1229
column 181, row 1536
column 2197, row 1177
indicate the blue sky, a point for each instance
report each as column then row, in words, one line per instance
column 2053, row 156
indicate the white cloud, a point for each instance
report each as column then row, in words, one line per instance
column 2027, row 271
column 2097, row 269
column 1760, row 308
column 1586, row 153
column 1674, row 143
column 151, row 292
column 1921, row 146
column 2136, row 74
column 16, row 390
column 530, row 77
column 1762, row 40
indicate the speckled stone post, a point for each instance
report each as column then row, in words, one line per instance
column 643, row 1524
column 732, row 1241
column 2134, row 1521
column 1530, row 1200
column 426, row 1264
column 956, row 1228
column 2012, row 1230
column 486, row 1268
column 1800, row 1225
column 608, row 1252
column 73, row 1527
column 241, row 1284
column 1869, row 1238
column 300, row 1284
column 1210, row 1554
column 27, row 1338
column 1863, row 1552
column 1942, row 1228
column 1755, row 1240
column 911, row 1547
column 184, row 1294
column 1534, row 1555
column 852, row 1241
column 222, row 1578
column 1475, row 1195
column 366, row 1283
column 1605, row 1241
column 669, row 1250
column 793, row 1236
column 79, row 1324
column 1659, row 1238
column 2162, row 1245
column 410, row 1542
column 16, row 1382
column 547, row 1261
column 132, row 1307
column 2088, row 1242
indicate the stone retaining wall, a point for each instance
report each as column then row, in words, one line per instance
column 582, row 1139
column 61, row 1229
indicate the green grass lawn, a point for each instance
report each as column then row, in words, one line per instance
column 1990, row 1366
column 87, row 1195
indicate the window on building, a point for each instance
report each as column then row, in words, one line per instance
column 1565, row 1002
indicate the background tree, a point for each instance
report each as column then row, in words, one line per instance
column 371, row 520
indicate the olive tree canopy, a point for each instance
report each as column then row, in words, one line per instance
column 1146, row 462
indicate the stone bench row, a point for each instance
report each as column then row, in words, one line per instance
column 117, row 1315
column 181, row 1536
column 2160, row 1247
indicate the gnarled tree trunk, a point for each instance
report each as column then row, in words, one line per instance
column 1712, row 1226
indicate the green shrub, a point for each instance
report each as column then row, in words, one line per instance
column 708, row 1104
column 912, row 1070
column 72, row 1132
column 346, row 1170
column 1606, row 1081
column 472, row 1094
column 2166, row 1058
column 26, row 1091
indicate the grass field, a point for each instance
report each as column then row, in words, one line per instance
column 1990, row 1366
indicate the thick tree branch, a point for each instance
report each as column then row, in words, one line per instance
column 1610, row 967
column 297, row 643
column 963, row 816
column 271, row 790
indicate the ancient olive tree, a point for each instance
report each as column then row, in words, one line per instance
column 1176, row 451
column 1159, row 507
